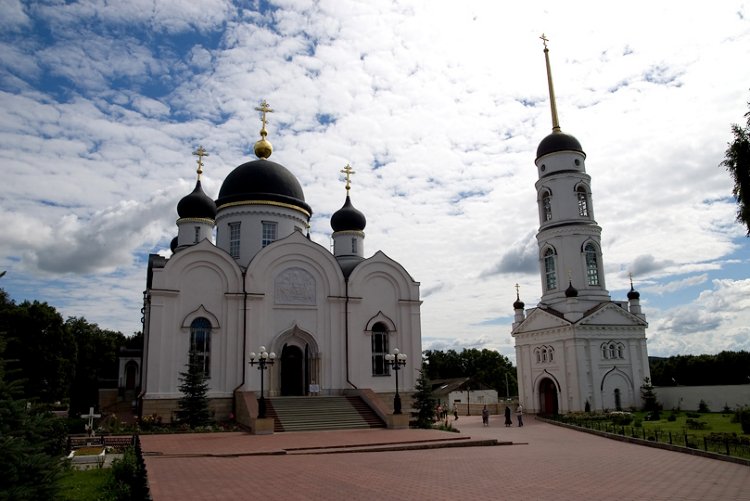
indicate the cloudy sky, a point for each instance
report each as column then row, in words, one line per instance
column 439, row 110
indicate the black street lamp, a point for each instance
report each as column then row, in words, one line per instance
column 264, row 359
column 396, row 360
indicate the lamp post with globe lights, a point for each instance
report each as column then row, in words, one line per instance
column 262, row 360
column 396, row 360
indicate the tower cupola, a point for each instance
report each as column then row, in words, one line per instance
column 348, row 226
column 196, row 211
column 568, row 237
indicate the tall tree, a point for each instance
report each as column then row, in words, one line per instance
column 96, row 361
column 30, row 441
column 423, row 400
column 193, row 405
column 737, row 162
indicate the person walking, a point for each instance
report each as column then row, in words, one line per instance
column 508, row 419
column 519, row 414
column 485, row 416
column 455, row 412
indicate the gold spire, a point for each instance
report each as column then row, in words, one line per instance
column 263, row 148
column 347, row 171
column 553, row 103
column 200, row 153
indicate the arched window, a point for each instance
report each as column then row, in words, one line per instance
column 379, row 350
column 612, row 351
column 544, row 354
column 583, row 201
column 538, row 356
column 605, row 352
column 619, row 351
column 592, row 264
column 550, row 274
column 546, row 206
column 200, row 342
column 551, row 353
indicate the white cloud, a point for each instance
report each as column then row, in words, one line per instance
column 438, row 110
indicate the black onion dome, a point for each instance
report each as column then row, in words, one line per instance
column 558, row 141
column 571, row 291
column 262, row 180
column 518, row 305
column 197, row 204
column 173, row 244
column 347, row 218
column 633, row 294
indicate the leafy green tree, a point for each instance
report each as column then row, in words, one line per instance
column 737, row 162
column 488, row 367
column 193, row 405
column 96, row 361
column 31, row 442
column 37, row 339
column 423, row 401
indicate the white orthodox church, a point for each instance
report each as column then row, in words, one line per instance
column 577, row 346
column 330, row 318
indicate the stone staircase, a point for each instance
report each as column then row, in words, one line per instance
column 321, row 413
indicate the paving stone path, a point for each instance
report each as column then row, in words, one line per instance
column 545, row 462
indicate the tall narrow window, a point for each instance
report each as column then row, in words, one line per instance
column 549, row 269
column 546, row 206
column 234, row 240
column 379, row 350
column 200, row 342
column 583, row 201
column 354, row 245
column 197, row 234
column 269, row 233
column 592, row 264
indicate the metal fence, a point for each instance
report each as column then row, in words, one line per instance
column 118, row 443
column 725, row 444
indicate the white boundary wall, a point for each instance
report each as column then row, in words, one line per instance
column 688, row 398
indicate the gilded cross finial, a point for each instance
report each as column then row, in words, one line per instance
column 200, row 153
column 518, row 291
column 630, row 274
column 347, row 171
column 263, row 108
column 544, row 40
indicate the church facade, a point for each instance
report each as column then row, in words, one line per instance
column 577, row 349
column 327, row 319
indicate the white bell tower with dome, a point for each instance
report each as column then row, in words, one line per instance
column 578, row 348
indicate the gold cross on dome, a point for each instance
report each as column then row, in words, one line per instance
column 200, row 153
column 263, row 108
column 347, row 171
column 544, row 40
column 518, row 289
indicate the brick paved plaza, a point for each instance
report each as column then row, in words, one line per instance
column 544, row 462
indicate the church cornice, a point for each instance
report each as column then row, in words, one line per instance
column 584, row 227
column 202, row 220
column 263, row 202
column 164, row 292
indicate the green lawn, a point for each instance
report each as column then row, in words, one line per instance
column 84, row 485
column 715, row 423
column 708, row 431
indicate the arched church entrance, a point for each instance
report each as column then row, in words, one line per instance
column 292, row 371
column 548, row 397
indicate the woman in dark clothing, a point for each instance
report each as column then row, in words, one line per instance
column 508, row 420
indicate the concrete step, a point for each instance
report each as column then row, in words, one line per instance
column 321, row 413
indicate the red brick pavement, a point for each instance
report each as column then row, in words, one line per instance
column 548, row 462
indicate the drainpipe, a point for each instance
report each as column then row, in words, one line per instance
column 346, row 329
column 244, row 344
